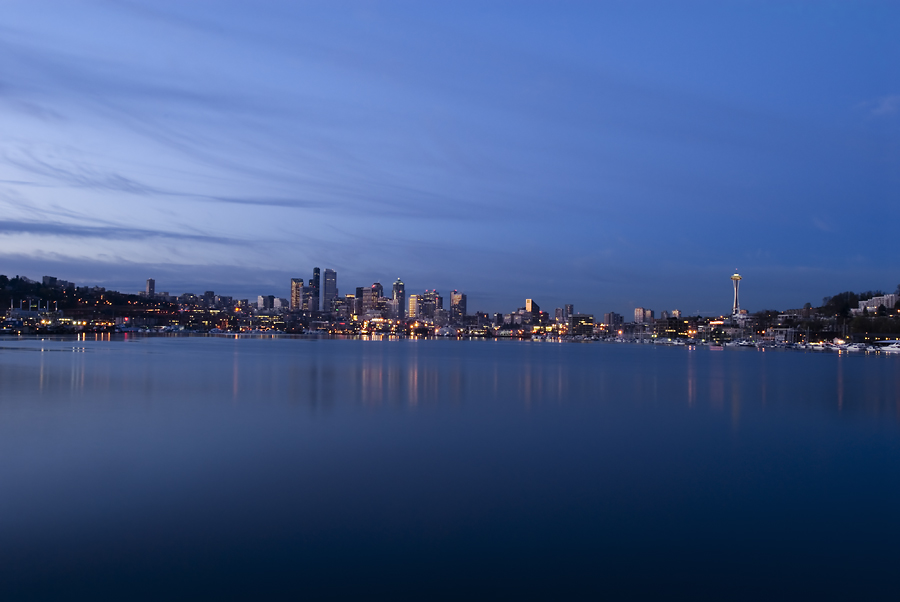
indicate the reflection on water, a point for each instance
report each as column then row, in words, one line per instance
column 322, row 373
column 244, row 469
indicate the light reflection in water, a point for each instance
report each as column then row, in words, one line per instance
column 320, row 374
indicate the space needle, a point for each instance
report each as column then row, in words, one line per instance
column 736, row 280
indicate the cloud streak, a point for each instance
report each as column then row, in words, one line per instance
column 65, row 230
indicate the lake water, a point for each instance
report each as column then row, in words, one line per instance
column 161, row 468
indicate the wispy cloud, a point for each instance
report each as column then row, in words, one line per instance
column 883, row 106
column 61, row 229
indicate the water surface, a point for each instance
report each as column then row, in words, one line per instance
column 185, row 467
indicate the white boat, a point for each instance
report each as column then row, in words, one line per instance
column 892, row 348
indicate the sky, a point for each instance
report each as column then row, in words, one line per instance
column 606, row 154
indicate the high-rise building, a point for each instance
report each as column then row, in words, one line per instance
column 297, row 293
column 613, row 320
column 676, row 313
column 531, row 307
column 368, row 299
column 457, row 307
column 377, row 290
column 581, row 324
column 265, row 301
column 430, row 302
column 568, row 310
column 151, row 287
column 642, row 315
column 559, row 315
column 315, row 287
column 330, row 292
column 414, row 307
column 400, row 294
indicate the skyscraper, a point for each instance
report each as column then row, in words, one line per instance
column 532, row 307
column 414, row 306
column 330, row 291
column 315, row 286
column 377, row 290
column 151, row 287
column 430, row 301
column 568, row 310
column 400, row 295
column 457, row 307
column 297, row 293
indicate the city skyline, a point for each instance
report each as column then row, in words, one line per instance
column 607, row 155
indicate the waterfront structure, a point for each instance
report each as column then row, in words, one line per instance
column 736, row 280
column 151, row 287
column 457, row 306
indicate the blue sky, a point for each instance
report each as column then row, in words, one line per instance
column 606, row 154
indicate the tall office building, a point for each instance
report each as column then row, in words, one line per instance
column 430, row 302
column 568, row 310
column 532, row 307
column 377, row 290
column 400, row 295
column 612, row 319
column 151, row 287
column 315, row 286
column 642, row 315
column 414, row 306
column 368, row 299
column 297, row 286
column 457, row 307
column 330, row 290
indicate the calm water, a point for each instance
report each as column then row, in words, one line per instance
column 286, row 468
